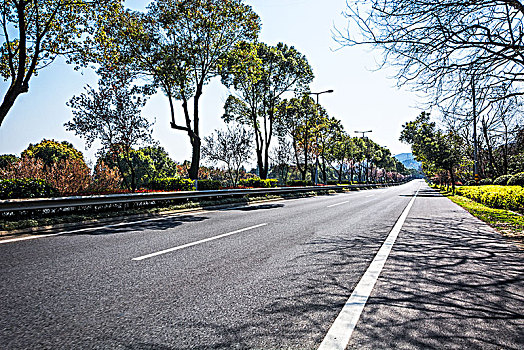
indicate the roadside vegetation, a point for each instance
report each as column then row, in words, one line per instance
column 15, row 225
column 510, row 223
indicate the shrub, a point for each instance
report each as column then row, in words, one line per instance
column 332, row 182
column 502, row 180
column 105, row 178
column 69, row 176
column 205, row 185
column 486, row 181
column 504, row 197
column 516, row 180
column 172, row 184
column 300, row 183
column 471, row 183
column 25, row 188
column 258, row 183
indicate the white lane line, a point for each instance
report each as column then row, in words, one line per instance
column 196, row 243
column 11, row 240
column 334, row 205
column 341, row 330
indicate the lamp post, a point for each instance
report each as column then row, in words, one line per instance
column 367, row 160
column 316, row 161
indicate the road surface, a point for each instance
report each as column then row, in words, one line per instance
column 274, row 275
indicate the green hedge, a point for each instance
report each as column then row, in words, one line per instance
column 504, row 197
column 204, row 185
column 300, row 183
column 258, row 183
column 516, row 180
column 25, row 188
column 172, row 184
column 502, row 180
column 486, row 181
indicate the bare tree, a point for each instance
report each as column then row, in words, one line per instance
column 231, row 147
column 441, row 45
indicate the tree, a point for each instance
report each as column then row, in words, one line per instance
column 36, row 32
column 136, row 168
column 297, row 119
column 51, row 151
column 283, row 158
column 231, row 147
column 442, row 45
column 191, row 39
column 112, row 115
column 259, row 75
column 435, row 149
column 7, row 159
column 163, row 165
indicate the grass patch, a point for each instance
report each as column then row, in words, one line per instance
column 509, row 223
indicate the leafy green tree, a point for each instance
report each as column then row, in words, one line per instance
column 298, row 118
column 112, row 115
column 7, row 159
column 51, row 151
column 136, row 168
column 259, row 74
column 190, row 40
column 34, row 33
column 435, row 149
column 164, row 166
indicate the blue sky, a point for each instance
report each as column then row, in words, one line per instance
column 364, row 99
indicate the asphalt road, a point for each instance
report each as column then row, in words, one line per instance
column 267, row 276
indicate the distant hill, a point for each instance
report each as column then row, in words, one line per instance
column 409, row 161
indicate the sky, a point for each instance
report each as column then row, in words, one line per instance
column 364, row 98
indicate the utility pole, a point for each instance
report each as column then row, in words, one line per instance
column 475, row 144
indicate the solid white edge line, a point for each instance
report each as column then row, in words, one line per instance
column 334, row 205
column 341, row 330
column 196, row 243
column 11, row 240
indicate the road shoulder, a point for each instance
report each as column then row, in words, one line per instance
column 450, row 282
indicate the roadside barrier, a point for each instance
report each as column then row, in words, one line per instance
column 56, row 204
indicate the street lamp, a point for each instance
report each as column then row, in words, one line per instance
column 367, row 160
column 316, row 162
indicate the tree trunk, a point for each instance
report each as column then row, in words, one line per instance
column 9, row 101
column 452, row 178
column 195, row 137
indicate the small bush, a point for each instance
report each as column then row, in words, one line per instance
column 25, row 188
column 300, row 183
column 332, row 182
column 205, row 185
column 503, row 197
column 516, row 180
column 258, row 183
column 470, row 183
column 486, row 181
column 502, row 180
column 172, row 184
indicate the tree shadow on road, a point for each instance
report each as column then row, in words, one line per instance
column 160, row 224
column 450, row 282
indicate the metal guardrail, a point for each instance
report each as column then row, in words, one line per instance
column 18, row 205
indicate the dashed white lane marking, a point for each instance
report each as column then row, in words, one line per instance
column 103, row 227
column 334, row 205
column 196, row 243
column 341, row 330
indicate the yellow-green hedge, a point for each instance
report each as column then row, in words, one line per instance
column 504, row 197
